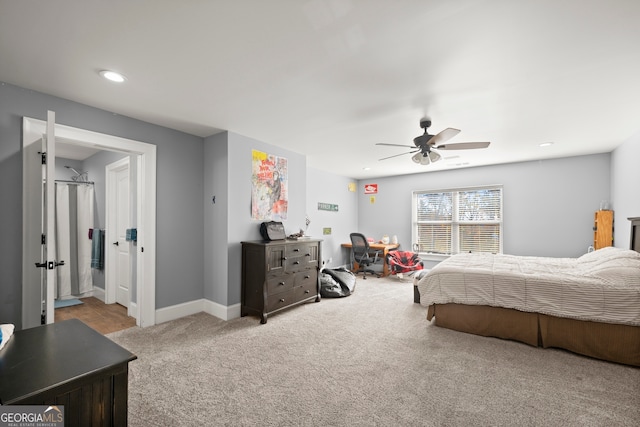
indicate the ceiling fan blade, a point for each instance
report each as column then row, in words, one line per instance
column 395, row 145
column 397, row 155
column 443, row 136
column 463, row 146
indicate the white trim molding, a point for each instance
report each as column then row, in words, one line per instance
column 184, row 309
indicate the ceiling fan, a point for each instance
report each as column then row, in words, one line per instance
column 425, row 145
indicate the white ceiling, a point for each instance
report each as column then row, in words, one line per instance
column 74, row 150
column 330, row 78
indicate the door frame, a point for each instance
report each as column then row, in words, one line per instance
column 110, row 286
column 146, row 157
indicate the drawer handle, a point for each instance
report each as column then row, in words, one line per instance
column 284, row 258
column 307, row 277
column 281, row 284
column 307, row 254
column 296, row 263
column 281, row 299
column 296, row 250
column 307, row 291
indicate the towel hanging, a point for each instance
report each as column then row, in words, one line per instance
column 97, row 249
column 131, row 235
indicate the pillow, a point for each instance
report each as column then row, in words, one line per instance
column 610, row 252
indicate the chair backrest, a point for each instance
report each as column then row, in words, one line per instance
column 359, row 244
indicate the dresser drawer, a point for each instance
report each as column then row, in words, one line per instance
column 280, row 283
column 306, row 277
column 301, row 256
column 298, row 263
column 308, row 289
column 285, row 299
column 299, row 249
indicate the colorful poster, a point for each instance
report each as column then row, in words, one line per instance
column 269, row 192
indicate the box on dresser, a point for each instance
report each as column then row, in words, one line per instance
column 279, row 274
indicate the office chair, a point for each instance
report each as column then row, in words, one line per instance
column 362, row 254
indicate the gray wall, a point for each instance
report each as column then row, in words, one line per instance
column 95, row 166
column 179, row 271
column 324, row 187
column 216, row 217
column 66, row 174
column 240, row 225
column 625, row 195
column 548, row 205
column 227, row 158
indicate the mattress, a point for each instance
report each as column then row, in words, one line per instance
column 601, row 286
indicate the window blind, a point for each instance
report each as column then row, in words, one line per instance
column 453, row 221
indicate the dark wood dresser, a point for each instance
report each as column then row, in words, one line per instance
column 635, row 234
column 69, row 364
column 279, row 274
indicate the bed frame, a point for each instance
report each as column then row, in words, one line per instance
column 606, row 341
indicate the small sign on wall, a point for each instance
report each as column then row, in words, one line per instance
column 370, row 188
column 326, row 231
column 327, row 207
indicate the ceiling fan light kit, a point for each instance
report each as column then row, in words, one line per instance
column 425, row 159
column 426, row 143
column 420, row 159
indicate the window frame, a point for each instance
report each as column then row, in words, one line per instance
column 455, row 221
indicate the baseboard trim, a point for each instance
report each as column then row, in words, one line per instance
column 221, row 311
column 133, row 310
column 98, row 293
column 177, row 311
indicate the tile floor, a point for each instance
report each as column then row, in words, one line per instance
column 104, row 318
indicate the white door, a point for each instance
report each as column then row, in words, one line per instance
column 48, row 223
column 39, row 240
column 33, row 295
column 118, row 216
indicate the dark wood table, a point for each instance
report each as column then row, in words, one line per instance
column 69, row 364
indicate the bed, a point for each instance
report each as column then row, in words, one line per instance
column 589, row 305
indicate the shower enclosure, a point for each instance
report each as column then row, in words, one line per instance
column 73, row 228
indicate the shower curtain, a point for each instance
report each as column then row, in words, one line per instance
column 74, row 218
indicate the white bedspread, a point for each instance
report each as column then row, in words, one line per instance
column 601, row 286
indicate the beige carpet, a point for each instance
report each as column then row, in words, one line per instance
column 365, row 360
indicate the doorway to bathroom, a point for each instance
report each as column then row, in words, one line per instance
column 39, row 284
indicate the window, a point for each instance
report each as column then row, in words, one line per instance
column 453, row 221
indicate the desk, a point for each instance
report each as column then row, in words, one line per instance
column 377, row 247
column 67, row 363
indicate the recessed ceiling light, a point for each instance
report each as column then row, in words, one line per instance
column 113, row 76
column 546, row 144
column 366, row 168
